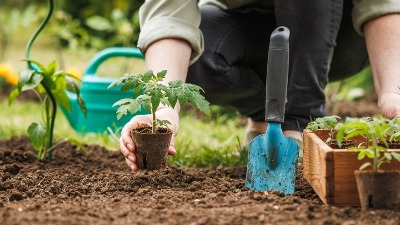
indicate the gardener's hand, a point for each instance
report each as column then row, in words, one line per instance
column 126, row 144
column 389, row 105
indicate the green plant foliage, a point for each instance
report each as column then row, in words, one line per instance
column 149, row 93
column 50, row 83
column 326, row 122
column 88, row 24
column 375, row 130
column 394, row 130
column 330, row 123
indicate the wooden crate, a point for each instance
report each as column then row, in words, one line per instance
column 330, row 172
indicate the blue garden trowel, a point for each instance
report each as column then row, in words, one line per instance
column 272, row 156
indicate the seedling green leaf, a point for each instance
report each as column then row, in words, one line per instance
column 199, row 101
column 365, row 165
column 122, row 110
column 156, row 96
column 396, row 156
column 126, row 105
column 123, row 101
column 376, row 130
column 326, row 123
column 149, row 92
column 163, row 122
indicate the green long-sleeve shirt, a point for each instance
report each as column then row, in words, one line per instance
column 181, row 18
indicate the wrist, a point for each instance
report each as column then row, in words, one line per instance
column 171, row 114
column 163, row 107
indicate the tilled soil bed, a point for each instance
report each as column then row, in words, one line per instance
column 97, row 187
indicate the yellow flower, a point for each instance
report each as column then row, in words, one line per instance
column 7, row 72
column 75, row 72
column 13, row 79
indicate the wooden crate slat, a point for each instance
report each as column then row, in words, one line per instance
column 317, row 168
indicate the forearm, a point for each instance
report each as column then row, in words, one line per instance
column 382, row 39
column 172, row 55
column 168, row 20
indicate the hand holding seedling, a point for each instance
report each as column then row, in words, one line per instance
column 127, row 146
column 160, row 100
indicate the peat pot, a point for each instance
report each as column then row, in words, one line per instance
column 151, row 148
column 378, row 190
column 330, row 171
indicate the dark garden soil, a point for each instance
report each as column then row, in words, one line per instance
column 97, row 187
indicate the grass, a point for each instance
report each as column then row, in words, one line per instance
column 209, row 142
column 22, row 113
column 202, row 142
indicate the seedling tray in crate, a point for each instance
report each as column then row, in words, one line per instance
column 330, row 172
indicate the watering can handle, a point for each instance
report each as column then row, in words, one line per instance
column 277, row 75
column 107, row 53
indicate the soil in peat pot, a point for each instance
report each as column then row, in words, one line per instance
column 97, row 187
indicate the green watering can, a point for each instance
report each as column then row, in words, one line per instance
column 98, row 99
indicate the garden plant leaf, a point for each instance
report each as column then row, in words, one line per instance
column 37, row 135
column 53, row 85
column 376, row 131
column 149, row 92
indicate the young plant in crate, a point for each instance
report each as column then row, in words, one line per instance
column 149, row 93
column 330, row 123
column 50, row 86
column 394, row 133
column 369, row 182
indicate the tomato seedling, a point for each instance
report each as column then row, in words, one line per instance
column 149, row 92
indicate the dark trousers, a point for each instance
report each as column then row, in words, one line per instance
column 323, row 47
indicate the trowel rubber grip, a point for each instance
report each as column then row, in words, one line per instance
column 277, row 75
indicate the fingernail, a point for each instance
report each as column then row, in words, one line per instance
column 132, row 167
column 131, row 158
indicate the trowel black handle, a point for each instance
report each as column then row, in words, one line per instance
column 277, row 75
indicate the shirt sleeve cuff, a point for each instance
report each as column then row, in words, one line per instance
column 168, row 27
column 365, row 10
